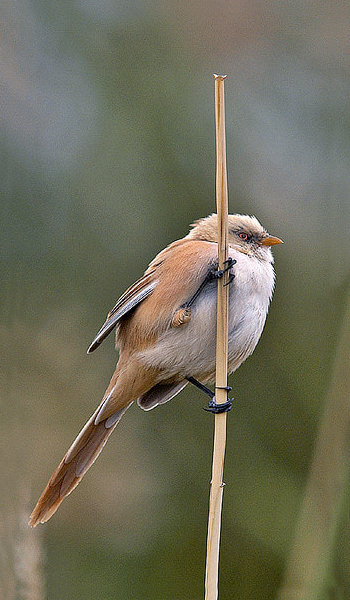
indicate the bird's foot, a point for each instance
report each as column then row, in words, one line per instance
column 222, row 407
column 230, row 279
column 213, row 273
column 213, row 406
column 216, row 273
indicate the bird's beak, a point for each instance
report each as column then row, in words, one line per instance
column 271, row 240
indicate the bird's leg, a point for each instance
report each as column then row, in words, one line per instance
column 212, row 406
column 183, row 314
column 213, row 273
column 201, row 387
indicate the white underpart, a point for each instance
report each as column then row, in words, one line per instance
column 190, row 348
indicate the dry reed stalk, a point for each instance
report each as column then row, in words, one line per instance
column 216, row 488
column 21, row 555
column 310, row 561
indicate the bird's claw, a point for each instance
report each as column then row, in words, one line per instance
column 230, row 279
column 217, row 273
column 215, row 408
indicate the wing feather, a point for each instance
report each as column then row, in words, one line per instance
column 135, row 294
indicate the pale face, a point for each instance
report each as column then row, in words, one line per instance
column 245, row 234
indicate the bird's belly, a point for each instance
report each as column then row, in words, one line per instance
column 190, row 348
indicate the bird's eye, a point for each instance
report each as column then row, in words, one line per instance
column 243, row 236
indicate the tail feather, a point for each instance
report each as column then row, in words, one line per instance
column 79, row 458
column 160, row 394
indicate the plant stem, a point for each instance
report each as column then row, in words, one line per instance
column 310, row 561
column 216, row 488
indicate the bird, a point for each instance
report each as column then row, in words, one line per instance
column 166, row 333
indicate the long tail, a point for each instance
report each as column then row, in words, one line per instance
column 80, row 456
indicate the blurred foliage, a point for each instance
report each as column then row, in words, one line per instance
column 107, row 155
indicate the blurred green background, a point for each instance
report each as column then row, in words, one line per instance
column 107, row 155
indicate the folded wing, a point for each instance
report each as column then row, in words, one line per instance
column 135, row 294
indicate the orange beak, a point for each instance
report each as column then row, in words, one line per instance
column 270, row 240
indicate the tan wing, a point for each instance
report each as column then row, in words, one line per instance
column 135, row 294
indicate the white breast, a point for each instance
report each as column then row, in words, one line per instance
column 190, row 348
column 250, row 297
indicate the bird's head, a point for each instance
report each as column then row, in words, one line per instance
column 244, row 234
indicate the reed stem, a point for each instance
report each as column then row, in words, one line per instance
column 216, row 487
